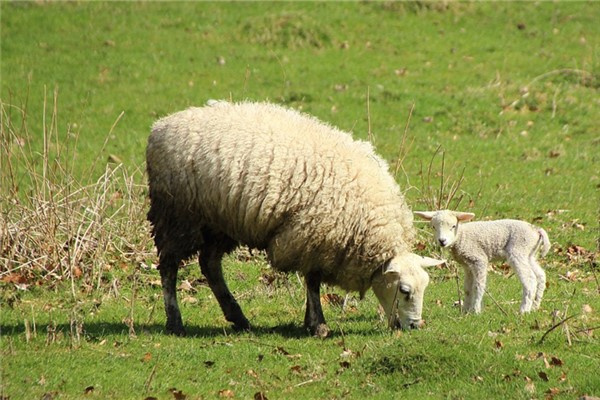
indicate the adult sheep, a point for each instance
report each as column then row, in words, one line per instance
column 271, row 178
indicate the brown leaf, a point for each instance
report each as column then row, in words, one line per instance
column 260, row 396
column 543, row 376
column 177, row 394
column 209, row 364
column 556, row 362
column 345, row 364
column 498, row 344
column 252, row 373
column 333, row 299
column 88, row 390
column 550, row 393
column 150, row 398
column 296, row 369
column 147, row 357
column 226, row 393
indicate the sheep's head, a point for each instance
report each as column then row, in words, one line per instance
column 445, row 224
column 400, row 289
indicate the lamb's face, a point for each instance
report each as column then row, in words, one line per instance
column 445, row 225
column 400, row 289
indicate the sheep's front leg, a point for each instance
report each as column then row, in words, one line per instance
column 210, row 265
column 314, row 319
column 479, row 271
column 168, row 278
column 528, row 280
column 469, row 289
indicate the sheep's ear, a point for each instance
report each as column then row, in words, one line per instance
column 428, row 215
column 463, row 216
column 430, row 262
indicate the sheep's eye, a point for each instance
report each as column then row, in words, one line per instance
column 404, row 289
column 453, row 226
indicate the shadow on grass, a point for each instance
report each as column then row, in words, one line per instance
column 96, row 331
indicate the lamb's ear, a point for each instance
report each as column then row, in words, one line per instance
column 428, row 215
column 430, row 262
column 463, row 216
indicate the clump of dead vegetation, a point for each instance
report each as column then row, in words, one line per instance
column 57, row 222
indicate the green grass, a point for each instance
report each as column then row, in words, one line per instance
column 510, row 91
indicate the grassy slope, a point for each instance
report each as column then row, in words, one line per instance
column 464, row 68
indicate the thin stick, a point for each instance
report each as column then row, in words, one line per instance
column 149, row 380
column 403, row 151
column 369, row 132
column 553, row 327
column 495, row 302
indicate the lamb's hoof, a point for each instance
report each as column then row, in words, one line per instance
column 320, row 331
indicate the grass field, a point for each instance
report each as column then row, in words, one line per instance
column 501, row 97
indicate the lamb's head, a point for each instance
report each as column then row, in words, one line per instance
column 445, row 223
column 400, row 289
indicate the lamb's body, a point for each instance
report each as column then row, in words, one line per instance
column 475, row 244
column 274, row 179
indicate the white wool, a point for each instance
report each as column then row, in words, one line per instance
column 475, row 244
column 275, row 179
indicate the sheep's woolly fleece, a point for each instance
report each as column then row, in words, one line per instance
column 275, row 179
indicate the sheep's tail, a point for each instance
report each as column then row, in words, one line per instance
column 543, row 242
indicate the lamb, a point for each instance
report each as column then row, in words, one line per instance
column 474, row 244
column 271, row 178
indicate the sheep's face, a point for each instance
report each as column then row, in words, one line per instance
column 445, row 224
column 400, row 289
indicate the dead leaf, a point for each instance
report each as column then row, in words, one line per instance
column 556, row 362
column 332, row 299
column 498, row 344
column 477, row 378
column 586, row 309
column 177, row 394
column 543, row 376
column 186, row 286
column 550, row 393
column 529, row 385
column 226, row 393
column 209, row 364
column 150, row 398
column 345, row 364
column 88, row 390
column 252, row 373
column 260, row 396
column 296, row 369
column 147, row 357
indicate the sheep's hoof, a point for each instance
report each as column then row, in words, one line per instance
column 176, row 330
column 242, row 326
column 320, row 331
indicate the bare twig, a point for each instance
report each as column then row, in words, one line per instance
column 553, row 327
column 495, row 302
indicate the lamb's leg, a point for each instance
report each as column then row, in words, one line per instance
column 528, row 280
column 314, row 319
column 540, row 276
column 479, row 270
column 210, row 265
column 168, row 276
column 469, row 290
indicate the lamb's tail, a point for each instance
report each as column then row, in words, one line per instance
column 543, row 241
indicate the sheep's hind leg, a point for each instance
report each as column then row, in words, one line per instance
column 210, row 265
column 314, row 320
column 528, row 280
column 168, row 276
column 540, row 276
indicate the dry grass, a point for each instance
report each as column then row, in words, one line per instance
column 56, row 223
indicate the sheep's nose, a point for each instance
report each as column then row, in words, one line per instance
column 417, row 324
column 442, row 242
